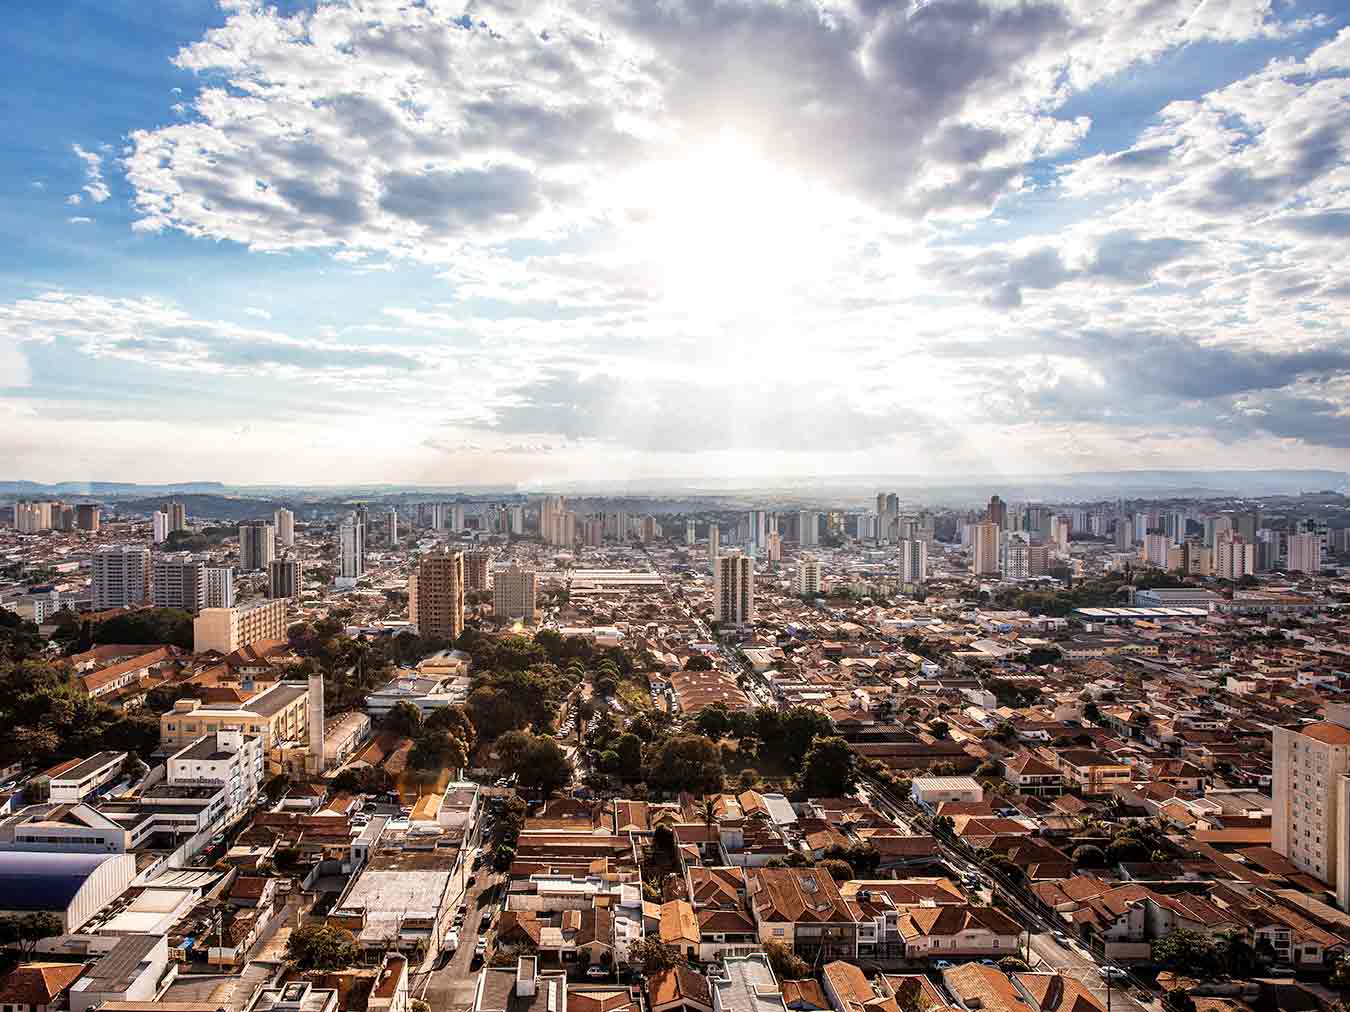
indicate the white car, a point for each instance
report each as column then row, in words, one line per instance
column 1110, row 972
column 480, row 947
column 597, row 972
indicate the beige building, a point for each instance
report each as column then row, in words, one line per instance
column 228, row 629
column 436, row 595
column 515, row 593
column 1311, row 788
column 277, row 715
column 984, row 549
column 477, row 573
column 734, row 589
column 808, row 576
column 1234, row 558
column 1305, row 553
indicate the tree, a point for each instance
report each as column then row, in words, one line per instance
column 404, row 719
column 438, row 750
column 1125, row 847
column 829, row 769
column 749, row 779
column 787, row 965
column 453, row 719
column 686, row 762
column 536, row 760
column 1089, row 855
column 713, row 721
column 1187, row 951
column 147, row 626
column 1013, row 964
column 321, row 947
column 840, row 871
column 653, row 955
column 1092, row 712
column 24, row 931
column 698, row 662
column 939, row 729
column 1178, row 1000
column 862, row 858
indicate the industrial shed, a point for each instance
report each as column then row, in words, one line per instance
column 74, row 887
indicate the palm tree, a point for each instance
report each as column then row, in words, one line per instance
column 707, row 809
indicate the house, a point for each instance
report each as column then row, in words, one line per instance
column 1055, row 992
column 679, row 928
column 802, row 908
column 389, row 993
column 133, row 970
column 725, row 933
column 804, row 996
column 933, row 791
column 1092, row 772
column 934, row 932
column 1033, row 776
column 522, row 988
column 982, row 988
column 746, row 984
column 849, row 990
column 37, row 987
column 679, row 989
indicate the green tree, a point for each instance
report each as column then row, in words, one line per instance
column 1178, row 999
column 829, row 768
column 939, row 729
column 321, row 947
column 840, row 871
column 786, row 964
column 454, row 720
column 628, row 747
column 1186, row 951
column 1013, row 964
column 653, row 955
column 537, row 761
column 404, row 719
column 698, row 662
column 713, row 721
column 687, row 762
column 24, row 931
column 1089, row 855
column 147, row 626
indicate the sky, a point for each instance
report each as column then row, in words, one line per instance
column 522, row 243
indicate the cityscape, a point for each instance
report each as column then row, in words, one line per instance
column 675, row 506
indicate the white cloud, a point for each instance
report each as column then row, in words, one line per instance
column 94, row 186
column 79, row 220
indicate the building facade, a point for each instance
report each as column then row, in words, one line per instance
column 436, row 595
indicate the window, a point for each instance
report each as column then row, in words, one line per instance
column 778, row 932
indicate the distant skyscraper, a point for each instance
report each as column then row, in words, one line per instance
column 714, row 536
column 551, row 507
column 984, row 549
column 1305, row 554
column 283, row 520
column 351, row 549
column 436, row 595
column 808, row 529
column 517, row 514
column 457, row 518
column 734, row 589
column 867, row 526
column 177, row 516
column 1155, row 550
column 913, row 562
column 515, row 593
column 87, row 516
column 690, row 531
column 121, row 577
column 176, row 582
column 257, row 546
column 1233, row 557
column 997, row 513
column 159, row 524
column 284, row 578
column 808, row 576
column 1017, row 557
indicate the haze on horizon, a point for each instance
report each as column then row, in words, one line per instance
column 519, row 243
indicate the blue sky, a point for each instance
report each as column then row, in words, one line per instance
column 739, row 238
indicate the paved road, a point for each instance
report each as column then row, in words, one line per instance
column 451, row 988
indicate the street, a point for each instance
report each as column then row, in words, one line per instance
column 451, row 988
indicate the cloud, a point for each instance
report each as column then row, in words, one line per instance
column 94, row 186
column 79, row 220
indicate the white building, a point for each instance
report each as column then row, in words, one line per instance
column 1310, row 784
column 283, row 520
column 218, row 584
column 933, row 791
column 734, row 589
column 1305, row 553
column 984, row 549
column 351, row 550
column 515, row 593
column 1155, row 549
column 121, row 577
column 808, row 529
column 913, row 562
column 159, row 521
column 808, row 576
column 229, row 758
column 1234, row 558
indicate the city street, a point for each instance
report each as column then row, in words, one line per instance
column 450, row 988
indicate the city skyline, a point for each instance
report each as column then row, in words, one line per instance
column 639, row 242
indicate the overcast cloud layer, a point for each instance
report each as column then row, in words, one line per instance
column 518, row 241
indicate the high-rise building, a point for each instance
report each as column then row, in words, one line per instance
column 714, row 547
column 867, row 526
column 176, row 582
column 88, row 516
column 997, row 513
column 808, row 576
column 515, row 593
column 227, row 629
column 159, row 525
column 593, row 531
column 436, row 595
column 284, row 578
column 734, row 589
column 1233, row 557
column 1017, row 556
column 773, row 548
column 218, row 584
column 984, row 549
column 477, row 570
column 1190, row 557
column 564, row 529
column 1310, row 786
column 759, row 529
column 1155, row 550
column 1124, row 531
column 177, row 513
column 283, row 520
column 808, row 529
column 517, row 514
column 690, row 532
column 913, row 562
column 31, row 517
column 391, row 527
column 351, row 549
column 1305, row 553
column 649, row 530
column 550, row 508
column 121, row 577
column 257, row 546
column 457, row 518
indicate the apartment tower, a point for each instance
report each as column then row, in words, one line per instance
column 436, row 595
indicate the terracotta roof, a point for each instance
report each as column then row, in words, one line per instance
column 804, row 995
column 952, row 919
column 679, row 984
column 678, row 923
column 38, row 983
column 990, row 986
column 1327, row 733
column 797, row 894
column 1054, row 992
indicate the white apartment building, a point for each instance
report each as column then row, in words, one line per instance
column 159, row 523
column 1310, row 783
column 218, row 582
column 227, row 757
column 1155, row 549
column 283, row 522
column 808, row 576
column 1234, row 558
column 808, row 529
column 1305, row 553
column 177, row 583
column 913, row 562
column 515, row 593
column 734, row 589
column 121, row 577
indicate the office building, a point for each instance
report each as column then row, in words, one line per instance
column 734, row 589
column 436, row 595
column 227, row 629
column 177, row 514
column 515, row 592
column 808, row 577
column 88, row 516
column 913, row 559
column 477, row 570
column 121, row 577
column 391, row 527
column 283, row 521
column 351, row 550
column 997, row 513
column 984, row 549
column 808, row 529
column 159, row 526
column 218, row 584
column 257, row 546
column 1305, row 553
column 277, row 715
column 1310, row 786
column 284, row 578
column 176, row 582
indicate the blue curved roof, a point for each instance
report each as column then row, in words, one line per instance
column 34, row 880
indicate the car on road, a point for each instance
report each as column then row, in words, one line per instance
column 485, row 920
column 480, row 946
column 942, row 964
column 597, row 972
column 1060, row 937
column 1110, row 972
column 451, row 942
column 218, row 839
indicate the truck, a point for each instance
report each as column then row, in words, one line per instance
column 451, row 942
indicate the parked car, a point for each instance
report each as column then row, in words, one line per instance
column 480, row 946
column 942, row 964
column 597, row 972
column 1061, row 937
column 1110, row 972
column 485, row 920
